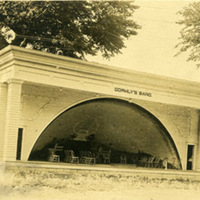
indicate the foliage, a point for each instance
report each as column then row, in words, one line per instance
column 190, row 33
column 71, row 28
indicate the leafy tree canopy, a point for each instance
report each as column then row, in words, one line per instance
column 71, row 28
column 190, row 33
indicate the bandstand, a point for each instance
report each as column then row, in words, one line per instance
column 48, row 100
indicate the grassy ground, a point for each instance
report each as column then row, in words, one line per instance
column 74, row 185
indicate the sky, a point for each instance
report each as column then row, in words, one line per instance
column 153, row 49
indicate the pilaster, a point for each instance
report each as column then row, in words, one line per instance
column 198, row 145
column 3, row 105
column 12, row 119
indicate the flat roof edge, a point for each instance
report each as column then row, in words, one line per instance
column 13, row 49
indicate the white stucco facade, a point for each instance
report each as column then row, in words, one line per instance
column 36, row 87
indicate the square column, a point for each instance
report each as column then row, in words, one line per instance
column 12, row 119
column 198, row 145
column 3, row 105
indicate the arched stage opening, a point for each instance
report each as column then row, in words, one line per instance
column 128, row 131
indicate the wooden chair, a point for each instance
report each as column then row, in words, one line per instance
column 106, row 156
column 70, row 157
column 156, row 162
column 53, row 156
column 135, row 159
column 123, row 158
column 87, row 157
column 143, row 161
column 150, row 161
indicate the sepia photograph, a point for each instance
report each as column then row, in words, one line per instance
column 100, row 99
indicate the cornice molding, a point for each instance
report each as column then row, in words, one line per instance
column 78, row 68
column 14, row 81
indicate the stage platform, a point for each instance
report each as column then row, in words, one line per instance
column 61, row 167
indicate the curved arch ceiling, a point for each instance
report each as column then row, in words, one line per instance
column 125, row 126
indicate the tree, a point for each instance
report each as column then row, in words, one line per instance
column 71, row 28
column 190, row 33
